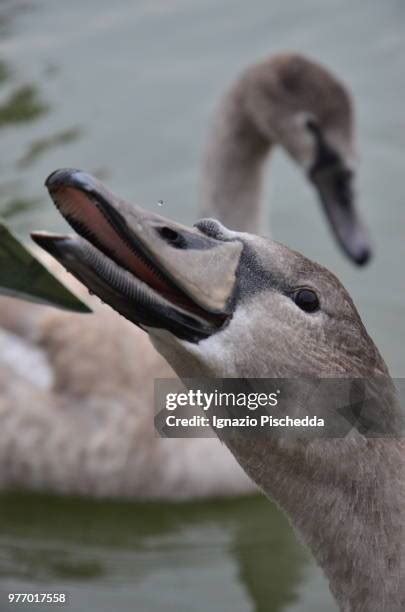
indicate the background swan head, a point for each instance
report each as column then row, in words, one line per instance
column 290, row 101
column 294, row 102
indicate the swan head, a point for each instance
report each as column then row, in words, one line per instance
column 301, row 106
column 215, row 302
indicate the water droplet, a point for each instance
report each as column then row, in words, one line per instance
column 160, row 203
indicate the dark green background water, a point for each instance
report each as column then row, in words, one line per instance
column 125, row 90
column 230, row 555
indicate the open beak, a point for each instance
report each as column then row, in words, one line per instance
column 335, row 189
column 154, row 272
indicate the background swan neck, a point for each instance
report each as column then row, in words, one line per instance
column 233, row 167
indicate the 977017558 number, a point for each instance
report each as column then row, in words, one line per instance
column 33, row 598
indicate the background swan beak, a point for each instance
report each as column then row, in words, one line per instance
column 335, row 190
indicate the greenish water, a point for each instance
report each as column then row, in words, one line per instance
column 229, row 555
column 125, row 91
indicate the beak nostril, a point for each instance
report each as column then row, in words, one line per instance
column 172, row 237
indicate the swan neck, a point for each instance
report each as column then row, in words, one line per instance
column 350, row 514
column 364, row 552
column 233, row 167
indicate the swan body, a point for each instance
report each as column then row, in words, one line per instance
column 276, row 314
column 79, row 426
column 88, row 425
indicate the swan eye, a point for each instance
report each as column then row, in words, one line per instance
column 307, row 300
column 312, row 125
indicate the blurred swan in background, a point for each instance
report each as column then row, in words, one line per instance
column 76, row 392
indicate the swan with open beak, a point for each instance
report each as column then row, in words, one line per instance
column 134, row 260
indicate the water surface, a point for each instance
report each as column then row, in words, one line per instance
column 230, row 555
